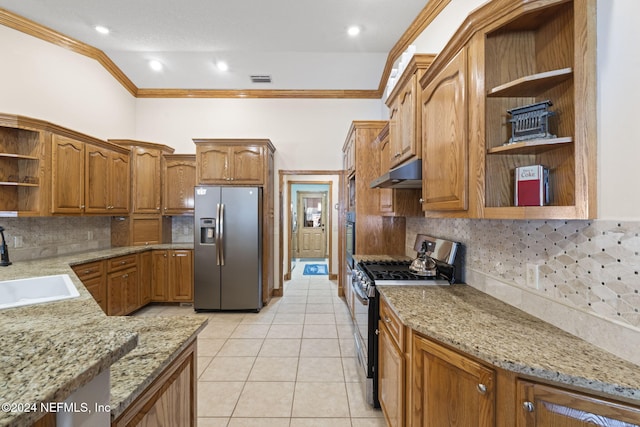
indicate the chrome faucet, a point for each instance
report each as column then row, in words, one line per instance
column 4, row 251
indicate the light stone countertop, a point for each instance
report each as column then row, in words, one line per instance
column 504, row 336
column 47, row 351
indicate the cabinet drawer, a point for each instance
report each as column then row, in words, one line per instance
column 392, row 322
column 121, row 262
column 89, row 270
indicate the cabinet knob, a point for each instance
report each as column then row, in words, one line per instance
column 482, row 389
column 386, row 319
column 81, row 206
column 528, row 406
column 377, row 332
column 123, row 262
column 124, row 276
column 157, row 208
column 421, row 200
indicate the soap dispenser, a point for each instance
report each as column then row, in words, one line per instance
column 4, row 251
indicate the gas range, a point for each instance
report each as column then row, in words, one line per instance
column 395, row 273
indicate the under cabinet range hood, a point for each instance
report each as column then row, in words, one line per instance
column 408, row 175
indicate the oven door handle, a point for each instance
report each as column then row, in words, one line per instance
column 362, row 297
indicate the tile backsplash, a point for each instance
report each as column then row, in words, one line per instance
column 34, row 238
column 182, row 229
column 587, row 267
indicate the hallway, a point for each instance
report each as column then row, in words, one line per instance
column 291, row 365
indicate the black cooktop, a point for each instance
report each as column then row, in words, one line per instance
column 398, row 271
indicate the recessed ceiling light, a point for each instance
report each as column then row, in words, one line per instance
column 101, row 29
column 222, row 66
column 155, row 65
column 353, row 30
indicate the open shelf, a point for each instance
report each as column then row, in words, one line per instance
column 531, row 85
column 534, row 146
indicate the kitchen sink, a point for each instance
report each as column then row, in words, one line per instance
column 36, row 290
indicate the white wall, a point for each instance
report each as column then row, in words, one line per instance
column 47, row 82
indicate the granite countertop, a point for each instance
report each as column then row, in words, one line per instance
column 47, row 351
column 506, row 337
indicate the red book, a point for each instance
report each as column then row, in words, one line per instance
column 532, row 186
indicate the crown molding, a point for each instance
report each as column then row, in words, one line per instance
column 26, row 26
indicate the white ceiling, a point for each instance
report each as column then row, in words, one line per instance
column 302, row 44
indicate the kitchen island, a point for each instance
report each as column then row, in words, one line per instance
column 50, row 350
column 514, row 351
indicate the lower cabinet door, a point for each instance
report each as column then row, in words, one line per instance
column 543, row 405
column 449, row 388
column 391, row 372
column 181, row 275
column 116, row 283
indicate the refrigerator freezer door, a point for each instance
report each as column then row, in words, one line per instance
column 206, row 230
column 241, row 247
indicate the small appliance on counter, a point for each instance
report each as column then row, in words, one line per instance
column 4, row 250
column 437, row 263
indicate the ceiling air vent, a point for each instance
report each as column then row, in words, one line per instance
column 258, row 78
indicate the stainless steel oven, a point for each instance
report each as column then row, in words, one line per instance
column 366, row 276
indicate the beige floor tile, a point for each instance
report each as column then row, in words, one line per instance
column 319, row 319
column 228, row 369
column 218, row 399
column 291, row 299
column 292, row 308
column 265, row 318
column 320, row 331
column 351, row 369
column 250, row 331
column 357, row 405
column 258, row 422
column 367, row 422
column 212, row 422
column 320, row 422
column 241, row 347
column 343, row 318
column 320, row 400
column 280, row 347
column 285, row 331
column 313, row 307
column 274, row 369
column 347, row 347
column 345, row 331
column 323, row 299
column 203, row 363
column 319, row 347
column 320, row 369
column 288, row 319
column 218, row 330
column 296, row 292
column 209, row 346
column 265, row 399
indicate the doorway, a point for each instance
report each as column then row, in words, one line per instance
column 309, row 223
column 318, row 184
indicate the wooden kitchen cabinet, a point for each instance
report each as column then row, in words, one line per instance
column 543, row 405
column 92, row 275
column 172, row 275
column 170, row 400
column 450, row 388
column 107, row 183
column 236, row 162
column 395, row 201
column 391, row 366
column 67, row 175
column 404, row 112
column 178, row 182
column 122, row 285
column 140, row 230
column 145, row 269
column 24, row 149
column 445, row 141
column 545, row 53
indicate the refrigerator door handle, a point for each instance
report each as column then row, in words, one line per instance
column 221, row 222
column 218, row 245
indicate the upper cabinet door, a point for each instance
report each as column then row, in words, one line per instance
column 445, row 138
column 407, row 145
column 119, row 183
column 214, row 165
column 67, row 175
column 97, row 180
column 247, row 164
column 179, row 178
column 146, row 180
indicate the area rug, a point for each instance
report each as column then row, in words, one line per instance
column 315, row 270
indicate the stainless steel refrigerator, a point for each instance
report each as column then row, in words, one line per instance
column 228, row 248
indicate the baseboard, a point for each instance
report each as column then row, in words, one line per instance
column 276, row 292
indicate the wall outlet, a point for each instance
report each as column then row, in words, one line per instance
column 17, row 241
column 533, row 275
